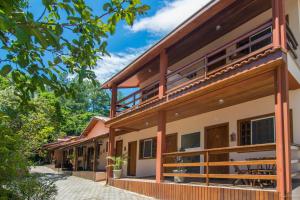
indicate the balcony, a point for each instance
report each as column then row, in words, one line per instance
column 178, row 80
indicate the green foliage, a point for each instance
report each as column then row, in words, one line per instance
column 68, row 37
column 118, row 162
column 31, row 187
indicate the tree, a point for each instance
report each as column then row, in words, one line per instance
column 89, row 101
column 68, row 37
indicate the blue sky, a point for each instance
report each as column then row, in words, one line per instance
column 130, row 42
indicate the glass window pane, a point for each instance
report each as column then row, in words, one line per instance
column 190, row 140
column 147, row 153
column 263, row 131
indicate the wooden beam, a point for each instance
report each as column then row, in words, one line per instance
column 113, row 104
column 163, row 66
column 161, row 145
column 75, row 159
column 279, row 24
column 111, row 144
column 94, row 156
column 286, row 130
column 283, row 143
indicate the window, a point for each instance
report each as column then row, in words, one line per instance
column 147, row 148
column 191, row 140
column 106, row 147
column 80, row 151
column 257, row 131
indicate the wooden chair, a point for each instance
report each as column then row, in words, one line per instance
column 239, row 171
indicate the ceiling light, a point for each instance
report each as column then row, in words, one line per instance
column 221, row 101
column 176, row 114
column 149, row 70
column 147, row 123
column 218, row 27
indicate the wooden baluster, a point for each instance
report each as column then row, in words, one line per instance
column 207, row 167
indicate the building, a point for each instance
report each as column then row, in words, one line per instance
column 84, row 155
column 218, row 100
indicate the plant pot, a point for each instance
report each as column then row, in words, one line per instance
column 117, row 173
column 178, row 179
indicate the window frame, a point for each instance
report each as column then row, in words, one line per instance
column 142, row 146
column 240, row 121
column 198, row 132
column 258, row 119
column 151, row 148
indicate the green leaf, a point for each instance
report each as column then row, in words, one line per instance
column 5, row 70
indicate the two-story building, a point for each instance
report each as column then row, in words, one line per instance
column 216, row 101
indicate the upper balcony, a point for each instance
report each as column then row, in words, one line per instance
column 237, row 35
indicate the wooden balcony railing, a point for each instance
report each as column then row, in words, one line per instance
column 228, row 54
column 210, row 63
column 206, row 153
column 292, row 43
column 257, row 39
column 138, row 97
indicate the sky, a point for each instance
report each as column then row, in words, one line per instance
column 130, row 42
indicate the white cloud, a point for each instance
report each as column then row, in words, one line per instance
column 110, row 65
column 168, row 17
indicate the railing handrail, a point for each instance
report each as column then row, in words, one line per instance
column 136, row 92
column 242, row 149
column 291, row 36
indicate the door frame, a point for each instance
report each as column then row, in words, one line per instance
column 136, row 157
column 206, row 128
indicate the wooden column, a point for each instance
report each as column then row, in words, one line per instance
column 111, row 152
column 279, row 24
column 113, row 104
column 75, row 159
column 161, row 124
column 163, row 66
column 161, row 145
column 94, row 156
column 283, row 143
column 282, row 116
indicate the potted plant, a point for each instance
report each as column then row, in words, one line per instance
column 117, row 165
column 179, row 170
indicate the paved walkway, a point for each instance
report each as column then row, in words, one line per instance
column 75, row 188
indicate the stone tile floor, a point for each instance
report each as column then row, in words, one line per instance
column 75, row 188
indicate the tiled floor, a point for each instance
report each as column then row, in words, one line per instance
column 75, row 188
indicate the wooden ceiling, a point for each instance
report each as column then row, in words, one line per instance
column 236, row 14
column 147, row 71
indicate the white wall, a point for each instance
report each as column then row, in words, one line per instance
column 199, row 122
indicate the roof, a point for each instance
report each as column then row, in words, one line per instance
column 202, row 15
column 93, row 122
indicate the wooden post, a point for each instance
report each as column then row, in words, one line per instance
column 286, row 130
column 279, row 24
column 111, row 144
column 113, row 104
column 161, row 145
column 283, row 143
column 163, row 66
column 94, row 156
column 207, row 167
column 75, row 158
